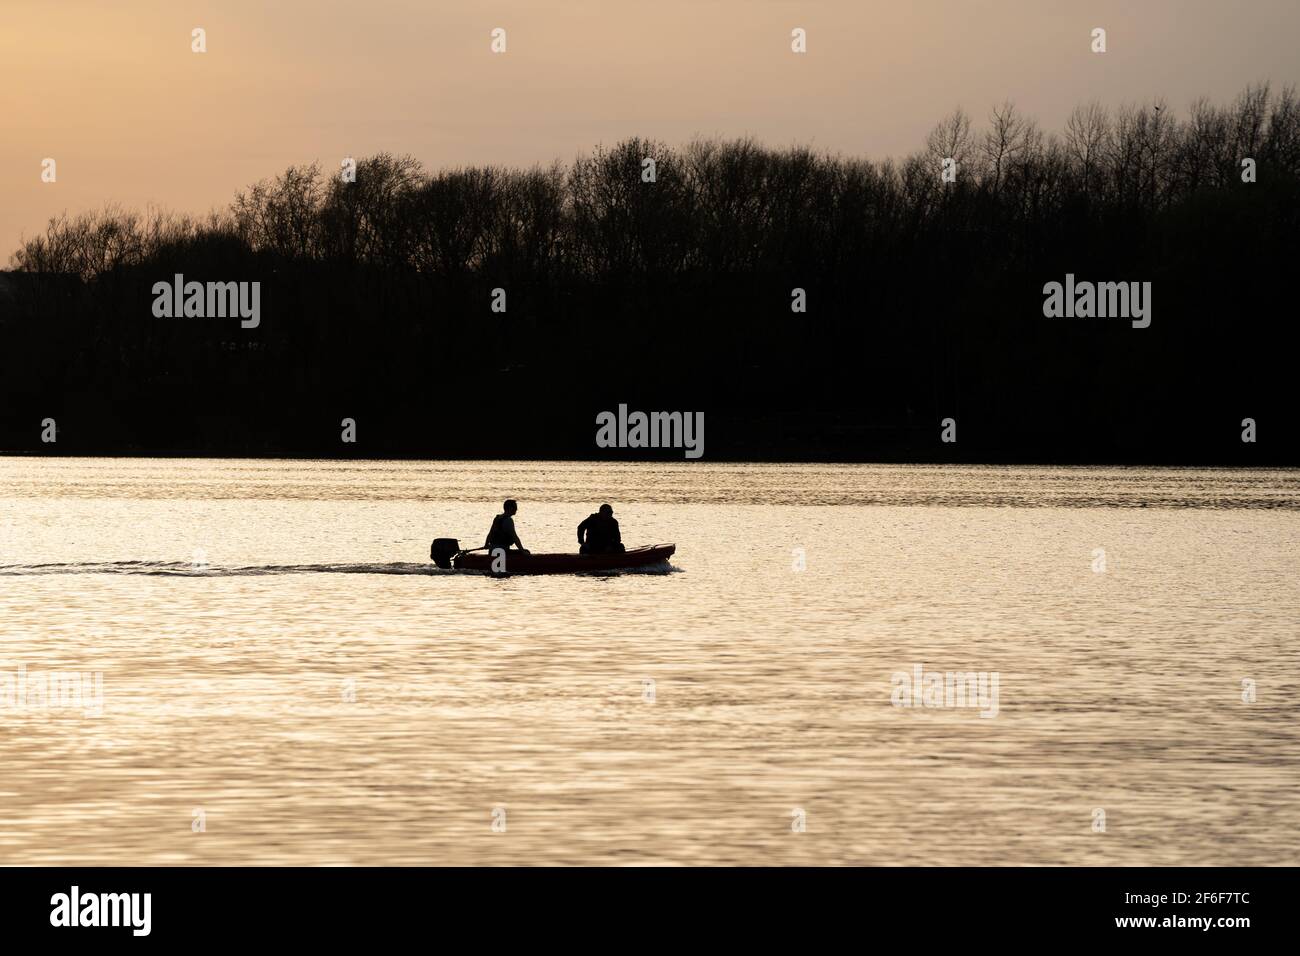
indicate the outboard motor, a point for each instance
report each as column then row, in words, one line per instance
column 443, row 550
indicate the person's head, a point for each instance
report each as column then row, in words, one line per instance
column 606, row 510
column 510, row 506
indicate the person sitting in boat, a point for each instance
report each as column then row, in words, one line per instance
column 502, row 534
column 601, row 533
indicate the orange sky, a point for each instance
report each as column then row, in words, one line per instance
column 113, row 93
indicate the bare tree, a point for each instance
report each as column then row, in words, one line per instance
column 1005, row 139
column 282, row 215
column 1282, row 141
column 1087, row 142
column 951, row 139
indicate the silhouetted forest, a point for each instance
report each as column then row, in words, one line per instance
column 924, row 301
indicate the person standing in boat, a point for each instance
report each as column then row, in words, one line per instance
column 502, row 534
column 599, row 534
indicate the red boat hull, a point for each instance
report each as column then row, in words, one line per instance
column 519, row 563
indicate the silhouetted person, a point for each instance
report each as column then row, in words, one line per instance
column 502, row 533
column 601, row 533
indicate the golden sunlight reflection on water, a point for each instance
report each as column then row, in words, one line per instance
column 323, row 697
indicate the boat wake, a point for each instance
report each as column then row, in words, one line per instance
column 185, row 569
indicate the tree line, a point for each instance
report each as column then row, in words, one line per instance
column 664, row 277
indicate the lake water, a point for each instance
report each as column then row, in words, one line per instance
column 287, row 679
